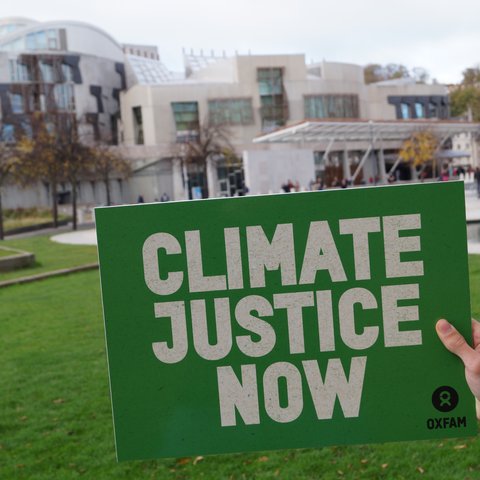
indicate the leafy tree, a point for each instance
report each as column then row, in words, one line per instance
column 55, row 153
column 375, row 72
column 465, row 98
column 107, row 163
column 419, row 150
column 41, row 161
column 9, row 169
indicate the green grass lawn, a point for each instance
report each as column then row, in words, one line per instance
column 6, row 253
column 49, row 255
column 55, row 417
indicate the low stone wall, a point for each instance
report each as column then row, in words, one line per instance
column 18, row 259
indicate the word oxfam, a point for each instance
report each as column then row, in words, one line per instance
column 320, row 253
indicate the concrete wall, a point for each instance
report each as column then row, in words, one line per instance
column 265, row 172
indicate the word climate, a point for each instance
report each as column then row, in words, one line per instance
column 250, row 325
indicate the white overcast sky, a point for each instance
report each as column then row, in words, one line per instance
column 441, row 36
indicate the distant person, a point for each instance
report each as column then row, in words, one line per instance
column 335, row 182
column 477, row 179
column 344, row 183
column 287, row 187
column 165, row 197
column 140, row 199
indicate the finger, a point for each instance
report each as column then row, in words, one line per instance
column 476, row 333
column 454, row 342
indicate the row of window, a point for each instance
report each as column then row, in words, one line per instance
column 331, row 106
column 50, row 71
column 418, row 110
column 50, row 39
column 239, row 111
column 420, row 106
column 273, row 110
column 63, row 95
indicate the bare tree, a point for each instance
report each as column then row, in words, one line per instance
column 212, row 141
column 76, row 157
column 108, row 163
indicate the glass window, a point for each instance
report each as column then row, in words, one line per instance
column 270, row 81
column 138, row 125
column 19, row 72
column 8, row 133
column 52, row 39
column 186, row 120
column 432, row 110
column 15, row 45
column 16, row 102
column 48, row 72
column 419, row 110
column 43, row 40
column 331, row 106
column 405, row 110
column 67, row 72
column 64, row 96
column 231, row 111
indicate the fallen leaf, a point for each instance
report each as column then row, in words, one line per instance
column 384, row 465
column 263, row 459
column 420, row 469
column 339, row 472
column 363, row 460
column 459, row 447
column 197, row 459
column 183, row 461
column 58, row 401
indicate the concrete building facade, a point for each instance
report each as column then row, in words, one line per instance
column 59, row 70
column 252, row 95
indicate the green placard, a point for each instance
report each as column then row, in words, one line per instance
column 285, row 321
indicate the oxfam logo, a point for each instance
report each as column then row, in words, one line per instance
column 445, row 399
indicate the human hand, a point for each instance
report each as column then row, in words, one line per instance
column 470, row 357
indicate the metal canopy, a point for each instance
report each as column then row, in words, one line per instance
column 312, row 131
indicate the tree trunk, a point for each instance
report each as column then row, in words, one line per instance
column 54, row 205
column 74, row 205
column 106, row 180
column 206, row 188
column 2, row 235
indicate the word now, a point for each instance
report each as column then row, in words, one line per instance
column 243, row 395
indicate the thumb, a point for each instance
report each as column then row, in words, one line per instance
column 455, row 342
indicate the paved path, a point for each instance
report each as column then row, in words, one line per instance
column 80, row 237
column 472, row 206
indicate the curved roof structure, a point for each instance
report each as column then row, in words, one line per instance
column 12, row 24
column 18, row 29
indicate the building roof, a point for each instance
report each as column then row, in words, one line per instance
column 150, row 71
column 363, row 130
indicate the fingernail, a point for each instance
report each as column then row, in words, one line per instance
column 444, row 327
